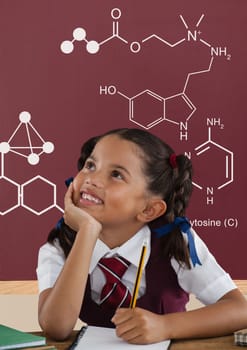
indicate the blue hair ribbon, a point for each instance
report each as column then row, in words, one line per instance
column 68, row 181
column 61, row 221
column 184, row 225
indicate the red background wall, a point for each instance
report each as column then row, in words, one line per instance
column 62, row 94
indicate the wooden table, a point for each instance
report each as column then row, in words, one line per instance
column 219, row 343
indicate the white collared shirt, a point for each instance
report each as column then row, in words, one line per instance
column 208, row 282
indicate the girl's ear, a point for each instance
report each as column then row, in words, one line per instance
column 154, row 209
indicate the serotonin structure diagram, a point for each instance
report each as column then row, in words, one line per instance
column 157, row 106
column 32, row 154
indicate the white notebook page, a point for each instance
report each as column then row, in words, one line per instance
column 106, row 339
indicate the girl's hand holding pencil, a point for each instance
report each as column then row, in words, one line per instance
column 140, row 326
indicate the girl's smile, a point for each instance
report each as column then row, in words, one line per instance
column 89, row 199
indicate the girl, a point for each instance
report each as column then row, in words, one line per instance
column 130, row 187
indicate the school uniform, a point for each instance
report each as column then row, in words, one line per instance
column 165, row 285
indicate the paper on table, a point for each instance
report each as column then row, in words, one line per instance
column 106, row 339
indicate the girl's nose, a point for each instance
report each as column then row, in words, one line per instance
column 95, row 179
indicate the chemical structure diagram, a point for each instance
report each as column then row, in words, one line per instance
column 93, row 46
column 210, row 152
column 158, row 105
column 157, row 109
column 32, row 154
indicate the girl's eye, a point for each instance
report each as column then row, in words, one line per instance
column 117, row 174
column 89, row 165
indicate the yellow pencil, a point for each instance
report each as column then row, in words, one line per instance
column 138, row 276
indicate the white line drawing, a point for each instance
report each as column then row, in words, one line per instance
column 32, row 153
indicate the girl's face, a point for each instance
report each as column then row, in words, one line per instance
column 111, row 186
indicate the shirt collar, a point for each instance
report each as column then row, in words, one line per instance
column 127, row 250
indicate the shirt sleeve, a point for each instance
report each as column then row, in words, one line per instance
column 208, row 282
column 50, row 263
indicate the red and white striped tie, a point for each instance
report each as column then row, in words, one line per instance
column 114, row 293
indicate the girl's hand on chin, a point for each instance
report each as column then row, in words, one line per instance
column 75, row 217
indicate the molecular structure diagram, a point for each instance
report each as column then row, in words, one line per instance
column 93, row 46
column 33, row 157
column 32, row 154
column 159, row 106
column 222, row 158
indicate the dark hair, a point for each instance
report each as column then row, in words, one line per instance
column 173, row 183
